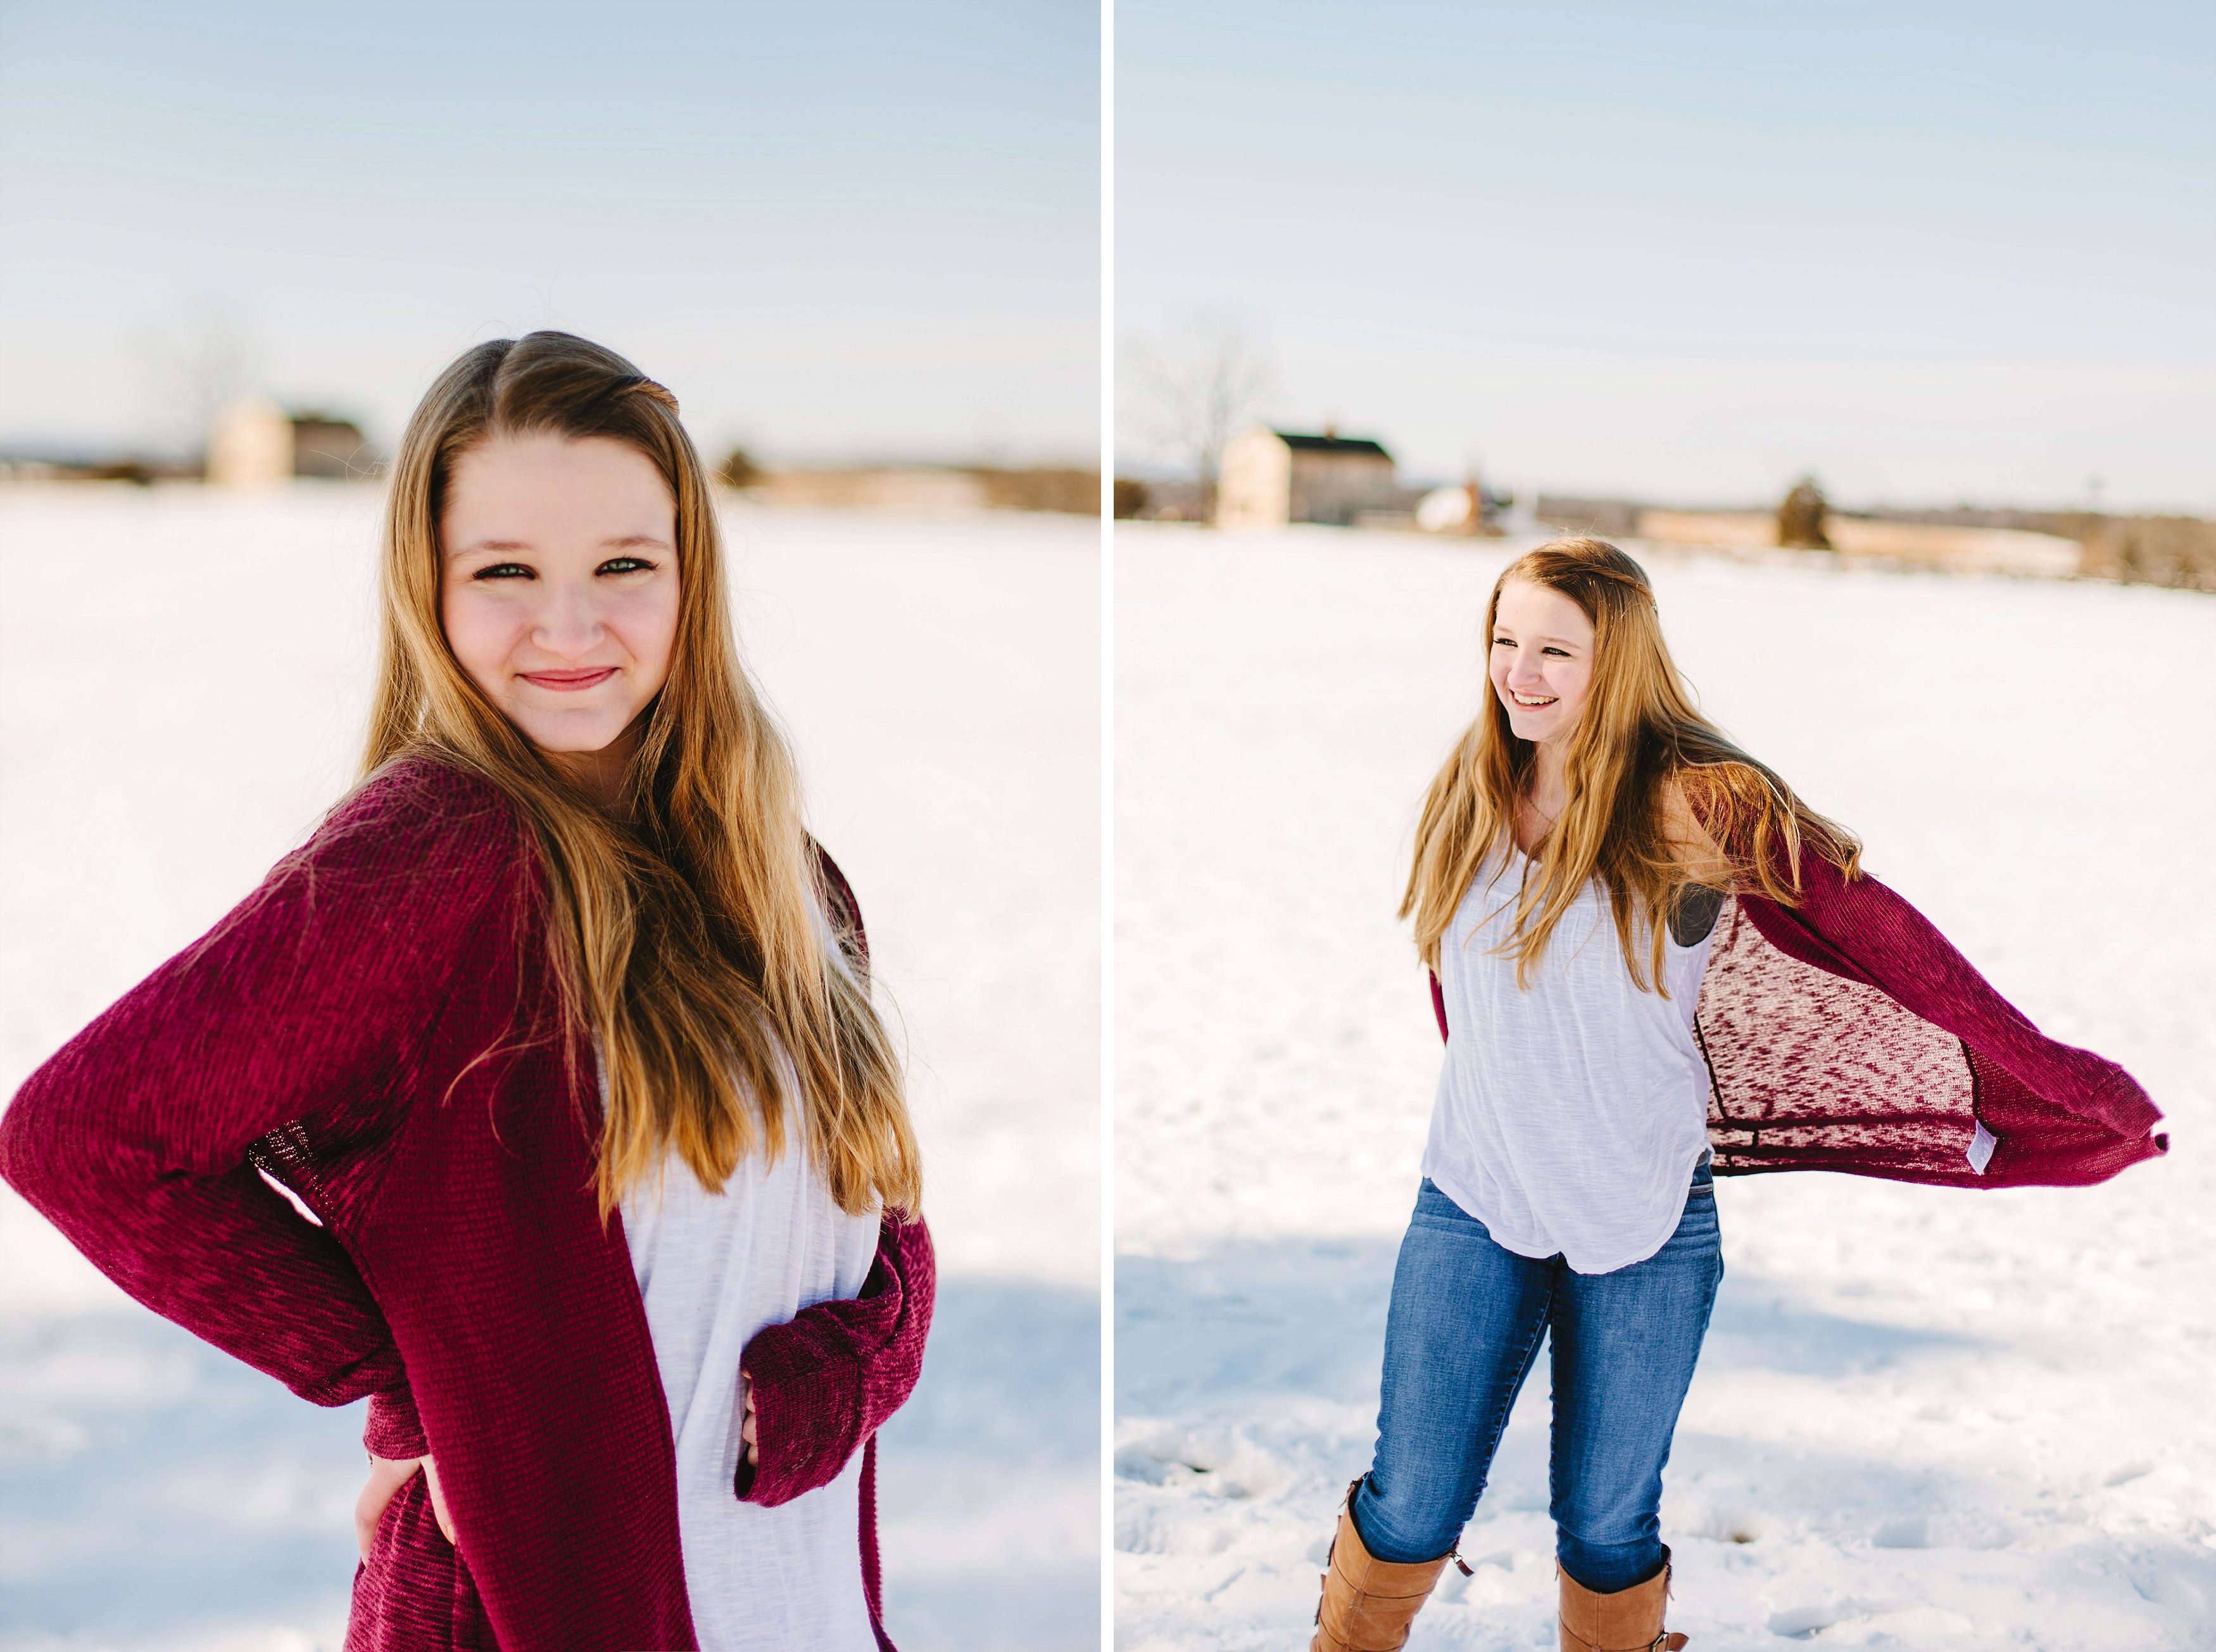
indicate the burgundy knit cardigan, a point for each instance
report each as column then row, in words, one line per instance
column 377, row 1026
column 1847, row 1034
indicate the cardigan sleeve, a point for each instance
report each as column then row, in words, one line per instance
column 138, row 1138
column 392, row 1429
column 828, row 1379
column 1859, row 929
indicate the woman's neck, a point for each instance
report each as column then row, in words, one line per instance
column 1546, row 794
column 603, row 772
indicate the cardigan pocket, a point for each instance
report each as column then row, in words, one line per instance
column 469, row 1631
column 414, row 1593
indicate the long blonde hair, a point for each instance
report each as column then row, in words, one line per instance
column 684, row 938
column 1641, row 749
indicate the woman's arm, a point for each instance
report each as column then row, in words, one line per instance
column 301, row 1007
column 828, row 1378
column 818, row 1386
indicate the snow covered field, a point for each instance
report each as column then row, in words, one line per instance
column 182, row 678
column 1924, row 1419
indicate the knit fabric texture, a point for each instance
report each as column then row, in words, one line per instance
column 378, row 1025
column 1847, row 1034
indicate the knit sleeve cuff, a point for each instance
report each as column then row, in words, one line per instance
column 394, row 1431
column 827, row 1380
column 808, row 1413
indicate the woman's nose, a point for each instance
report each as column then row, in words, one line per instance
column 569, row 622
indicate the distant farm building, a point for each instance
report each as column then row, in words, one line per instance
column 1270, row 478
column 926, row 489
column 916, row 488
column 255, row 443
column 1609, row 519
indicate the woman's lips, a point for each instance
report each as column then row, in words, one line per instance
column 563, row 682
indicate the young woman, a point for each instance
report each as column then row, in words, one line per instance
column 597, row 1178
column 1650, row 963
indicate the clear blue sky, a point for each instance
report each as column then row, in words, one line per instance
column 1933, row 252
column 843, row 228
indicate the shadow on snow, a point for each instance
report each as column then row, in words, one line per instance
column 151, row 1487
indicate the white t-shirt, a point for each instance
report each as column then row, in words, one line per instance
column 713, row 1269
column 1570, row 1115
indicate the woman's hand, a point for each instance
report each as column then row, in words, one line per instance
column 386, row 1476
column 747, row 1423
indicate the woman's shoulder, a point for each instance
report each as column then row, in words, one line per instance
column 1690, row 815
column 421, row 818
column 837, row 911
column 834, row 897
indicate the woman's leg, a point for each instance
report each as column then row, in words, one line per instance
column 1463, row 1328
column 1624, row 1347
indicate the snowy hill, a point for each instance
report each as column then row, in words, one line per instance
column 1924, row 1419
column 182, row 679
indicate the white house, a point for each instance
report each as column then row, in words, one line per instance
column 256, row 444
column 1270, row 478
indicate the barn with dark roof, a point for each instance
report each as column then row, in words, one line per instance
column 1270, row 478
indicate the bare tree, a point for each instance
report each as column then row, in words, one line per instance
column 195, row 358
column 1191, row 388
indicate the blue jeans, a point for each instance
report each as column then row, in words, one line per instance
column 1460, row 1336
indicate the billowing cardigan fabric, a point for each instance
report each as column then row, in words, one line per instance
column 1847, row 1034
column 376, row 1026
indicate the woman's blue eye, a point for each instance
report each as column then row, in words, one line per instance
column 504, row 571
column 625, row 565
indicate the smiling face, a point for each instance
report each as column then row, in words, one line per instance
column 558, row 589
column 1542, row 660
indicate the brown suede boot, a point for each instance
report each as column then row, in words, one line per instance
column 1630, row 1620
column 1368, row 1604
